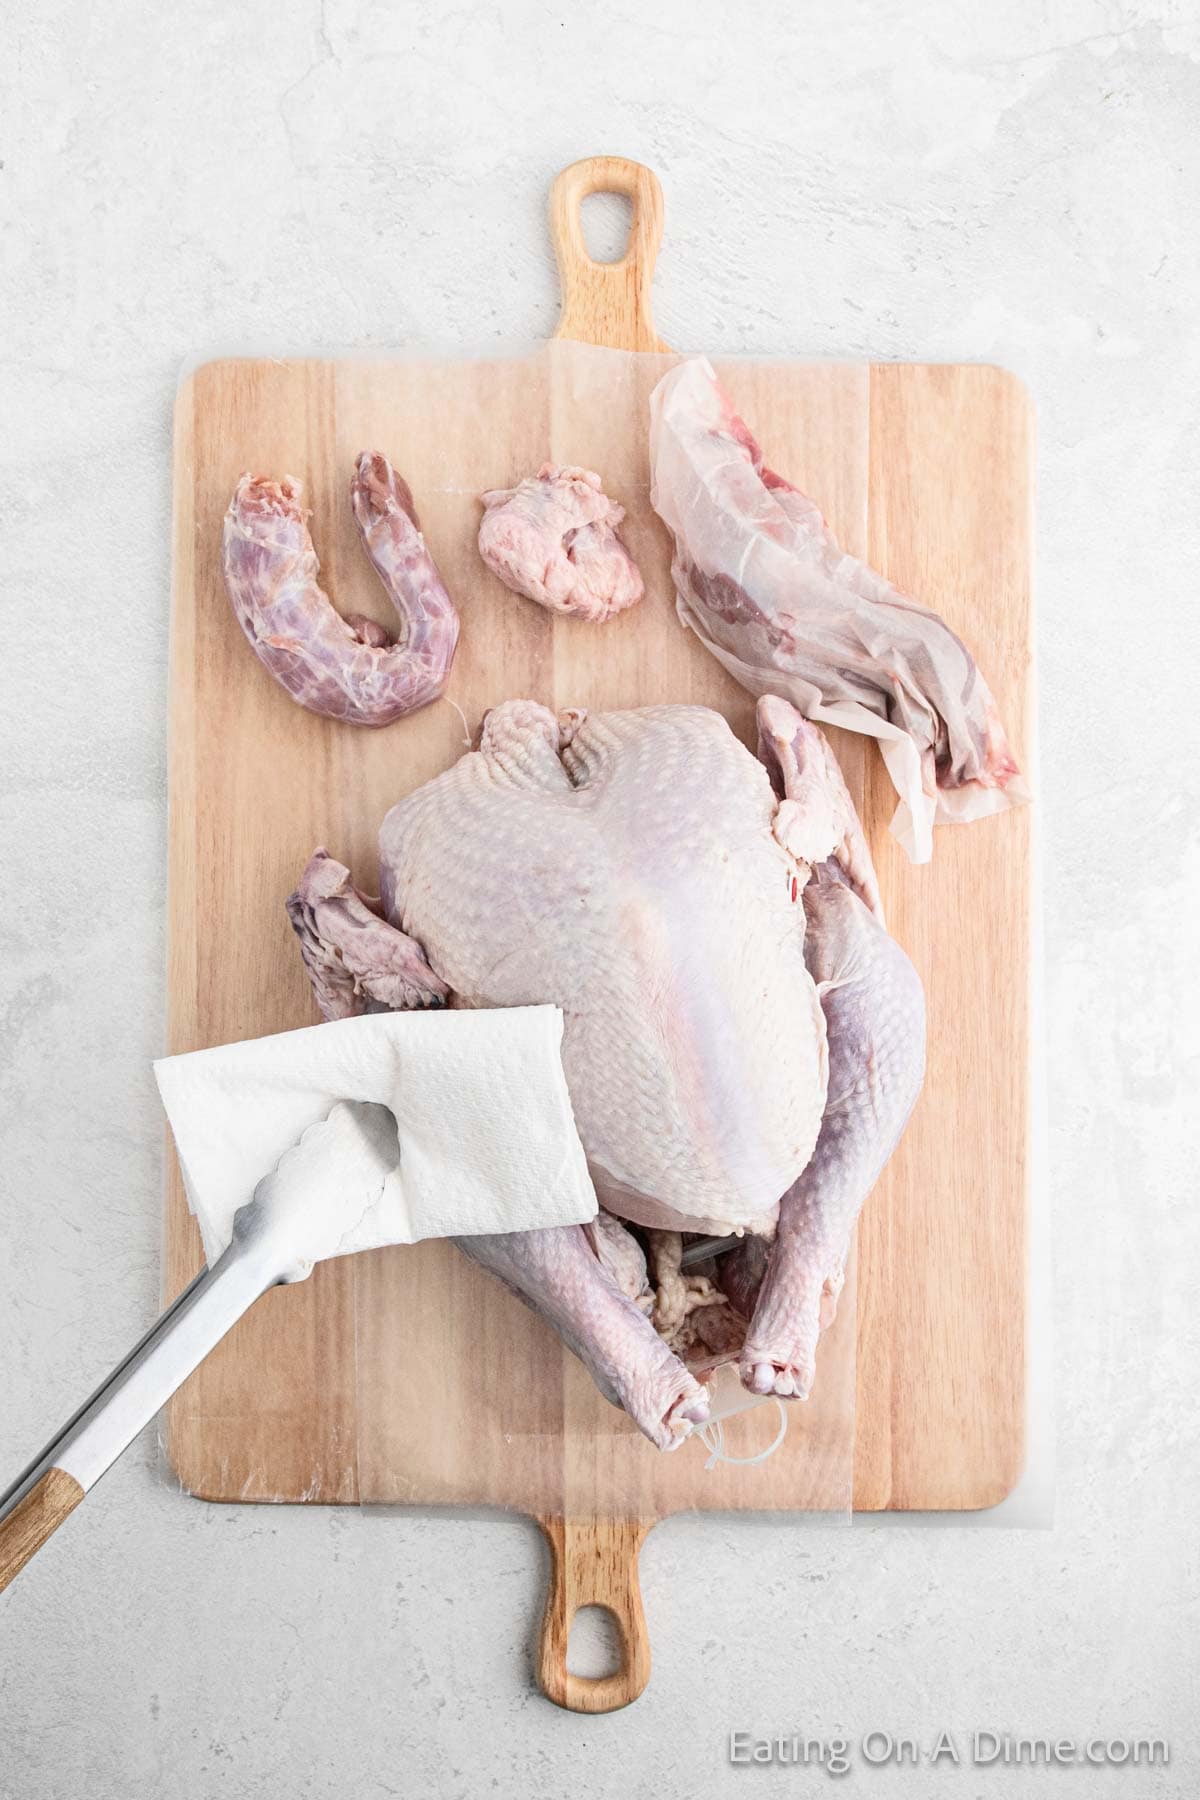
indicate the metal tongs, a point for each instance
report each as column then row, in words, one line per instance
column 278, row 1236
column 700, row 1249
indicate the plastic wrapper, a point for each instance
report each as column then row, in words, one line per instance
column 769, row 590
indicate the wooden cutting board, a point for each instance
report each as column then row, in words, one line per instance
column 409, row 1375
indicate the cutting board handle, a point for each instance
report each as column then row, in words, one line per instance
column 594, row 1562
column 607, row 303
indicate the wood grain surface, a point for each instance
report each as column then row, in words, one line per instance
column 594, row 1563
column 36, row 1518
column 409, row 1375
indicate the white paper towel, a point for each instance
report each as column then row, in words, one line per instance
column 486, row 1132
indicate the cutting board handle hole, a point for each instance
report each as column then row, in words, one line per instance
column 607, row 220
column 594, row 1646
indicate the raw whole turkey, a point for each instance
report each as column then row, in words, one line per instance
column 743, row 1041
column 761, row 580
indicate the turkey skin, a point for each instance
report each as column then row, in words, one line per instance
column 624, row 865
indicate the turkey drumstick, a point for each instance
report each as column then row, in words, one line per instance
column 874, row 1009
column 558, row 1274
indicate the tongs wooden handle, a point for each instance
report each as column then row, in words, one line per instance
column 50, row 1489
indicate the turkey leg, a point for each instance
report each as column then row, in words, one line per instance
column 874, row 1010
column 557, row 1273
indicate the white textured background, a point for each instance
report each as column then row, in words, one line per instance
column 1013, row 182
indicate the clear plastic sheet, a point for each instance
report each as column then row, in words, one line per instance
column 408, row 1375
